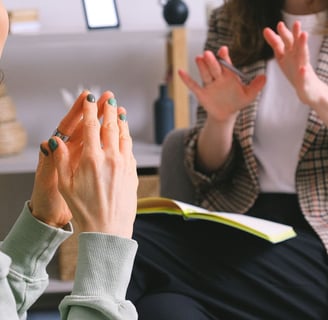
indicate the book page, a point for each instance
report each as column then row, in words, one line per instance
column 166, row 205
column 188, row 208
column 266, row 229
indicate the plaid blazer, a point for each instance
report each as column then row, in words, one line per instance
column 235, row 186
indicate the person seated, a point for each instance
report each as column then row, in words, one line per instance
column 86, row 171
column 258, row 148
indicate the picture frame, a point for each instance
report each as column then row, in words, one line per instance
column 101, row 14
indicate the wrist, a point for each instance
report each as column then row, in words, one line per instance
column 226, row 126
column 119, row 231
column 320, row 103
column 39, row 217
column 220, row 135
column 228, row 120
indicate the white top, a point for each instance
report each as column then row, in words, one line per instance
column 281, row 117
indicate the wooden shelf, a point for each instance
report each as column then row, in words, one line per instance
column 95, row 37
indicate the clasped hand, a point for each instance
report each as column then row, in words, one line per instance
column 92, row 176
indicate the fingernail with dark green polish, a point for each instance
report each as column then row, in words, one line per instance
column 122, row 116
column 43, row 150
column 91, row 97
column 112, row 102
column 52, row 143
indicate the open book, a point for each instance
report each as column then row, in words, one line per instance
column 268, row 230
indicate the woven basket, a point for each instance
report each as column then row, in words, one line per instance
column 3, row 89
column 7, row 109
column 13, row 138
column 148, row 187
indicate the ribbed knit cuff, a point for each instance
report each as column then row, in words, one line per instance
column 104, row 265
column 31, row 243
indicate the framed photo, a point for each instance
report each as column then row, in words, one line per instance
column 101, row 14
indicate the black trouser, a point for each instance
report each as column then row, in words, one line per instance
column 204, row 270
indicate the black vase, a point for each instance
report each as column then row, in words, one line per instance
column 175, row 12
column 163, row 114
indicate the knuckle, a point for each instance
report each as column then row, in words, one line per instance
column 110, row 126
column 91, row 161
column 92, row 123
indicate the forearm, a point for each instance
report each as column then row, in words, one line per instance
column 214, row 144
column 320, row 105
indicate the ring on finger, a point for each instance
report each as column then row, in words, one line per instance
column 58, row 134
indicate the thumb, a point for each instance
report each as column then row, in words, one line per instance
column 256, row 85
column 46, row 168
column 60, row 157
column 45, row 164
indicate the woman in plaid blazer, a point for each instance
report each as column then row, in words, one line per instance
column 259, row 148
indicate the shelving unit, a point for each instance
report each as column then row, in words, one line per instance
column 110, row 59
column 25, row 55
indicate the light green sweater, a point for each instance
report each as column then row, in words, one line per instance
column 102, row 276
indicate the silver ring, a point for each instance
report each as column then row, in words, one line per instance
column 58, row 134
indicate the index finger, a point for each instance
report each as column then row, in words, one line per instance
column 274, row 42
column 69, row 123
column 212, row 64
column 286, row 36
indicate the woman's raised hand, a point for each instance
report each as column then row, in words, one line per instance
column 222, row 93
column 292, row 54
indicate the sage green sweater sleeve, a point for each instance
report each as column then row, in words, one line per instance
column 7, row 299
column 104, row 269
column 27, row 250
column 103, row 273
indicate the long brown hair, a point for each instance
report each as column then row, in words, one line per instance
column 247, row 19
